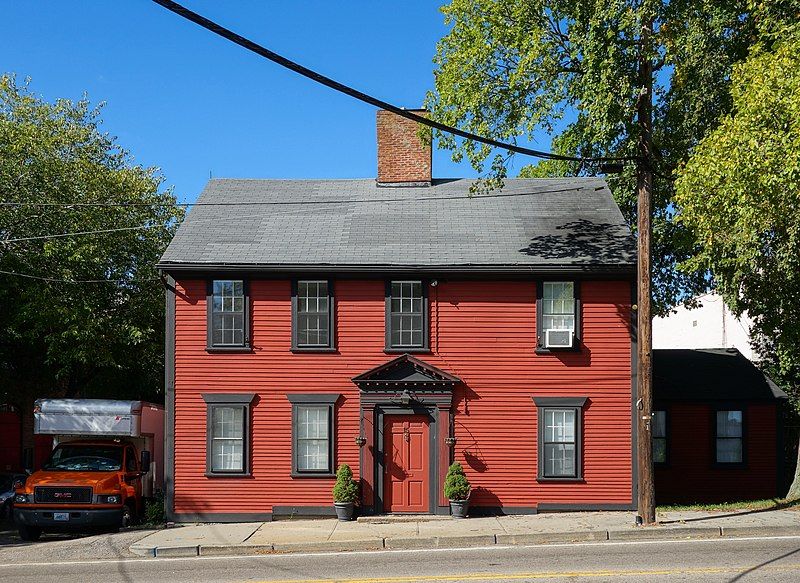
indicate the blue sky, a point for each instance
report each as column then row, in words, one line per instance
column 194, row 104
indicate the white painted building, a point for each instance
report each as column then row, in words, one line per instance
column 711, row 326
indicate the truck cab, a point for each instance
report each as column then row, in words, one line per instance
column 83, row 484
column 103, row 466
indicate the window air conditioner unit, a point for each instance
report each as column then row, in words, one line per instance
column 558, row 339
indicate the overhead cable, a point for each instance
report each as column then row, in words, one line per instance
column 361, row 96
column 73, row 234
column 56, row 280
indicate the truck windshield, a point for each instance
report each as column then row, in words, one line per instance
column 91, row 458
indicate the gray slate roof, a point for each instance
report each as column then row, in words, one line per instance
column 556, row 223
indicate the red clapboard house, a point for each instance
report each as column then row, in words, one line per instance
column 397, row 325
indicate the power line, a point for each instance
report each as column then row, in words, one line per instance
column 56, row 280
column 59, row 235
column 285, row 202
column 340, row 87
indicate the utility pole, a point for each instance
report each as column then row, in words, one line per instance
column 644, row 378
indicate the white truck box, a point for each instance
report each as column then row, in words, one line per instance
column 139, row 422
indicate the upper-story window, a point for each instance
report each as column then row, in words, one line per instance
column 227, row 318
column 312, row 315
column 406, row 315
column 558, row 315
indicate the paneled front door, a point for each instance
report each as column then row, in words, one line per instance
column 405, row 447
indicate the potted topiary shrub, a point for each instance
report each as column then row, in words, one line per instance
column 345, row 493
column 457, row 488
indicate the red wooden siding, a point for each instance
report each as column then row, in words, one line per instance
column 690, row 474
column 484, row 332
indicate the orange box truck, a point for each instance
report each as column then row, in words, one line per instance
column 107, row 459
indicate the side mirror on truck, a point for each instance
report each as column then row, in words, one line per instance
column 145, row 465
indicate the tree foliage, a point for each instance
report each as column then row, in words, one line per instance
column 740, row 195
column 60, row 337
column 345, row 489
column 510, row 68
column 456, row 484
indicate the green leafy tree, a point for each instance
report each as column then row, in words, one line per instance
column 345, row 489
column 510, row 68
column 60, row 337
column 456, row 484
column 740, row 196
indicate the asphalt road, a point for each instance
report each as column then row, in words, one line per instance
column 730, row 560
column 55, row 547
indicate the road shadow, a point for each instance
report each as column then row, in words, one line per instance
column 751, row 570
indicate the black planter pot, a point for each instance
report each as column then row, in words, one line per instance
column 344, row 510
column 459, row 508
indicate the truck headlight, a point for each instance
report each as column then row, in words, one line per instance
column 110, row 499
column 21, row 499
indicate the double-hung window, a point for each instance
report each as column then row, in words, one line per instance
column 406, row 315
column 729, row 437
column 659, row 433
column 558, row 314
column 312, row 315
column 559, row 437
column 312, row 434
column 227, row 314
column 227, row 433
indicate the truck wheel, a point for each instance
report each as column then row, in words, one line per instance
column 127, row 517
column 30, row 533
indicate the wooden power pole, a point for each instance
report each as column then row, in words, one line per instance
column 644, row 378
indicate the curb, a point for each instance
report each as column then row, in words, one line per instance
column 480, row 540
column 543, row 538
column 650, row 533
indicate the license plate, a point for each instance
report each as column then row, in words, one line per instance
column 60, row 515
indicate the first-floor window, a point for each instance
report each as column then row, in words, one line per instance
column 312, row 433
column 559, row 437
column 659, row 432
column 729, row 434
column 227, row 438
column 313, row 438
column 227, row 432
column 559, row 443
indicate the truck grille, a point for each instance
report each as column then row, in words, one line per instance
column 62, row 495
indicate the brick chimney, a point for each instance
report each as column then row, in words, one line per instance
column 403, row 159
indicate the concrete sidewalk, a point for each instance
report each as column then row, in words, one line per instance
column 445, row 532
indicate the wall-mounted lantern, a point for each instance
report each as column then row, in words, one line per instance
column 450, row 441
column 360, row 440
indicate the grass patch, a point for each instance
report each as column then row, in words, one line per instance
column 768, row 504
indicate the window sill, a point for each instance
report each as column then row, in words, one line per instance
column 408, row 350
column 310, row 475
column 561, row 479
column 230, row 349
column 545, row 351
column 228, row 475
column 301, row 349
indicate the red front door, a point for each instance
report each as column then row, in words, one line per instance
column 405, row 446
